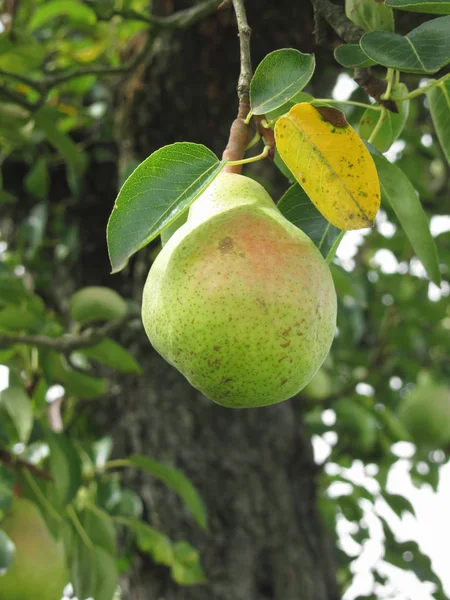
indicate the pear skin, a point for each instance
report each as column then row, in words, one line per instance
column 239, row 299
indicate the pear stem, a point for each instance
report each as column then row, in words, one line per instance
column 252, row 159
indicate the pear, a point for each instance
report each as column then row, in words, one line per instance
column 239, row 299
column 39, row 569
column 425, row 412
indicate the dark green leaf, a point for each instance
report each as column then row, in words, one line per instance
column 177, row 482
column 37, row 180
column 399, row 192
column 436, row 7
column 16, row 403
column 110, row 353
column 84, row 574
column 278, row 77
column 273, row 115
column 299, row 210
column 155, row 194
column 439, row 102
column 168, row 232
column 16, row 319
column 399, row 504
column 425, row 49
column 351, row 56
column 392, row 125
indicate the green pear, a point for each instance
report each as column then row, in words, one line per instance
column 425, row 412
column 239, row 299
column 39, row 570
column 320, row 386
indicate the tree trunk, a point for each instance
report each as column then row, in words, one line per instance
column 256, row 473
column 254, row 468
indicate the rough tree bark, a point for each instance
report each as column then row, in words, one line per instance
column 255, row 468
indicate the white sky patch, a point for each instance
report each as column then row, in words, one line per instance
column 4, row 377
column 329, row 417
column 385, row 227
column 395, row 150
column 385, row 260
column 435, row 293
column 395, row 383
column 364, row 389
column 348, row 248
column 344, row 87
column 439, row 224
column 426, row 140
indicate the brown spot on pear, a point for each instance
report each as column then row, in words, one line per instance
column 271, row 259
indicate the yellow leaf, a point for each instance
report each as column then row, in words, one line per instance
column 331, row 163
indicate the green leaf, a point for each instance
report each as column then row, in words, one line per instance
column 152, row 542
column 110, row 353
column 7, row 198
column 65, row 466
column 392, row 125
column 74, row 158
column 16, row 319
column 97, row 303
column 399, row 192
column 84, row 386
column 99, row 527
column 435, row 7
column 351, row 56
column 16, row 403
column 273, row 115
column 425, row 49
column 7, row 481
column 299, row 210
column 439, row 102
column 107, row 577
column 168, row 232
column 37, row 180
column 186, row 567
column 399, row 504
column 84, row 575
column 155, row 194
column 75, row 11
column 278, row 77
column 177, row 482
column 22, row 57
column 370, row 15
column 7, row 552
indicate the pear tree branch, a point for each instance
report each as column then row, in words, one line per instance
column 69, row 343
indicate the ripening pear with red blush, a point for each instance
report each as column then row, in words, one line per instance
column 239, row 299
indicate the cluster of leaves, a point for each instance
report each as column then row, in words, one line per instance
column 55, row 57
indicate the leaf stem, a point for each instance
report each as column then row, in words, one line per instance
column 46, row 504
column 334, row 247
column 423, row 89
column 327, row 228
column 377, row 127
column 390, row 83
column 120, row 462
column 252, row 159
column 351, row 102
column 79, row 527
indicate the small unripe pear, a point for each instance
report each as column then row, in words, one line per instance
column 425, row 412
column 239, row 299
column 39, row 570
column 320, row 386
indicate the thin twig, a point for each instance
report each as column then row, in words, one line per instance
column 16, row 463
column 67, row 343
column 336, row 18
column 244, row 33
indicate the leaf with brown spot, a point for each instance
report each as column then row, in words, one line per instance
column 331, row 164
